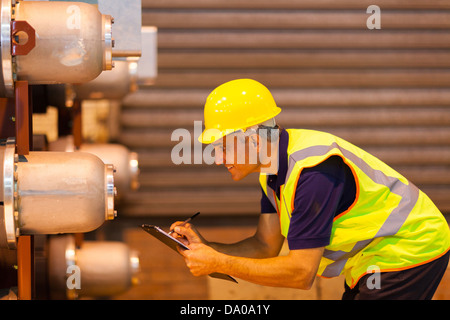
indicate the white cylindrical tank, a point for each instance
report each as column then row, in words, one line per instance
column 60, row 192
column 124, row 161
column 115, row 84
column 73, row 42
column 105, row 268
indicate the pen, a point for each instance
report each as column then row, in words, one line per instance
column 186, row 221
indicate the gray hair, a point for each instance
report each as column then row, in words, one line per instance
column 271, row 134
column 268, row 130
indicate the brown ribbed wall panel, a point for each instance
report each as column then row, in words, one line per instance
column 385, row 90
column 292, row 19
column 335, row 98
column 305, row 59
column 293, row 4
column 303, row 39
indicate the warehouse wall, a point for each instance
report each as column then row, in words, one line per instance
column 385, row 90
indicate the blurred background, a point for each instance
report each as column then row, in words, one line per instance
column 385, row 90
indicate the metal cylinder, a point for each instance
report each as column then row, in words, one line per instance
column 60, row 256
column 8, row 215
column 115, row 84
column 6, row 78
column 61, row 192
column 106, row 268
column 73, row 42
column 124, row 161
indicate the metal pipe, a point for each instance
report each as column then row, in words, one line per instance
column 60, row 192
column 125, row 162
column 52, row 192
column 96, row 269
column 73, row 42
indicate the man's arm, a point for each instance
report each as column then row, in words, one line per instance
column 253, row 259
column 296, row 270
column 266, row 242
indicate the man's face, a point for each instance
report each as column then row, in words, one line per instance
column 238, row 153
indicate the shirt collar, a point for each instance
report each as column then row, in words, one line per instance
column 282, row 157
column 278, row 179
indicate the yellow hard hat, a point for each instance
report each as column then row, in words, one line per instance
column 236, row 105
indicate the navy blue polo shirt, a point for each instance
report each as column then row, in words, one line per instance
column 323, row 192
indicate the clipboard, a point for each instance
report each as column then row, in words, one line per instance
column 174, row 243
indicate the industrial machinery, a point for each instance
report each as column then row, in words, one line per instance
column 95, row 269
column 46, row 43
column 74, row 48
column 53, row 192
column 125, row 162
column 58, row 195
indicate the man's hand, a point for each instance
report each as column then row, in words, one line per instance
column 186, row 233
column 295, row 270
column 200, row 259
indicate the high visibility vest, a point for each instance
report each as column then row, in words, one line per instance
column 391, row 225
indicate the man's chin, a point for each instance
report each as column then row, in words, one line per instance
column 236, row 178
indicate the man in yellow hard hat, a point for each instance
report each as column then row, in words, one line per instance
column 342, row 210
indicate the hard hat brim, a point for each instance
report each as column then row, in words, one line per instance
column 209, row 136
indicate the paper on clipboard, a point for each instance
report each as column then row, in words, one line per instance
column 173, row 243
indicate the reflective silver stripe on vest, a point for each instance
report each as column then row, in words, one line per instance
column 409, row 195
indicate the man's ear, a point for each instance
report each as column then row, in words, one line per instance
column 254, row 139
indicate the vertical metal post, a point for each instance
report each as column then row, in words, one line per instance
column 25, row 244
column 25, row 270
column 77, row 131
column 23, row 114
column 77, row 124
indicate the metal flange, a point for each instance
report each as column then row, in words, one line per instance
column 7, row 82
column 9, row 187
column 111, row 192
